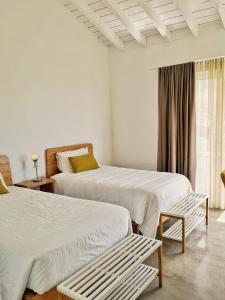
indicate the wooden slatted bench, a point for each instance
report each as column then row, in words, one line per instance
column 188, row 214
column 118, row 274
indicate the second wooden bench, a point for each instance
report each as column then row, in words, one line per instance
column 188, row 214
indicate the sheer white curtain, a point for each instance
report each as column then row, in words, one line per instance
column 210, row 119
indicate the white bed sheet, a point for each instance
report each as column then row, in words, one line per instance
column 143, row 193
column 44, row 238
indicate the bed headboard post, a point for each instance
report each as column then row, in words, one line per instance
column 5, row 169
column 50, row 156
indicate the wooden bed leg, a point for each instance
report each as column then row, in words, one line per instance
column 135, row 227
column 160, row 266
column 207, row 212
column 138, row 230
column 161, row 227
column 183, row 235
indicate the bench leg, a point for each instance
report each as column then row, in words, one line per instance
column 207, row 212
column 183, row 235
column 161, row 227
column 160, row 266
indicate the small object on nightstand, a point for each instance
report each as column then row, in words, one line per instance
column 35, row 158
column 45, row 185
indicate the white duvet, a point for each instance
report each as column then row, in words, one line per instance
column 143, row 193
column 44, row 238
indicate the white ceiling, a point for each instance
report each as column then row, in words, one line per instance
column 119, row 21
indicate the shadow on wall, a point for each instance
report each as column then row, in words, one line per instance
column 23, row 161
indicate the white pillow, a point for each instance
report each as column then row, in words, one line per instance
column 63, row 162
column 3, row 181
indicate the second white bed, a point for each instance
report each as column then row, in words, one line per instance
column 143, row 193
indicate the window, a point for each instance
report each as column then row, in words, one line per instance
column 210, row 129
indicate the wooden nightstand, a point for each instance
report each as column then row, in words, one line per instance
column 45, row 185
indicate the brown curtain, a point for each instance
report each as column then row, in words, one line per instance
column 177, row 127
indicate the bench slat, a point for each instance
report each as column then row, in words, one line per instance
column 175, row 231
column 186, row 205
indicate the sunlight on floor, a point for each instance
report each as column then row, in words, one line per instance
column 221, row 218
column 202, row 243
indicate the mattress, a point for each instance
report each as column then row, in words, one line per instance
column 143, row 193
column 45, row 238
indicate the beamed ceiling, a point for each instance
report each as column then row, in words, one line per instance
column 116, row 22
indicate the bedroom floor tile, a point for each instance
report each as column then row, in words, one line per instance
column 200, row 272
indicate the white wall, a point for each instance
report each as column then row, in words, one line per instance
column 134, row 86
column 54, row 86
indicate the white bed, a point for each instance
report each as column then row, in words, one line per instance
column 44, row 238
column 143, row 193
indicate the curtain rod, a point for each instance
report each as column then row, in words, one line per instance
column 156, row 68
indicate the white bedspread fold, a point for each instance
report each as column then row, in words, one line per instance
column 45, row 238
column 143, row 193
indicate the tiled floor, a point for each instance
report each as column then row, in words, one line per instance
column 199, row 274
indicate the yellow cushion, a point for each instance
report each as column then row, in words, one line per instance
column 3, row 189
column 223, row 177
column 83, row 163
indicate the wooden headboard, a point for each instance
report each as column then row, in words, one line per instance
column 5, row 169
column 50, row 156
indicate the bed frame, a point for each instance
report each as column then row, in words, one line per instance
column 53, row 294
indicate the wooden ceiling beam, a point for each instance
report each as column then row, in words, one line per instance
column 221, row 9
column 85, row 9
column 185, row 9
column 155, row 18
column 124, row 18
